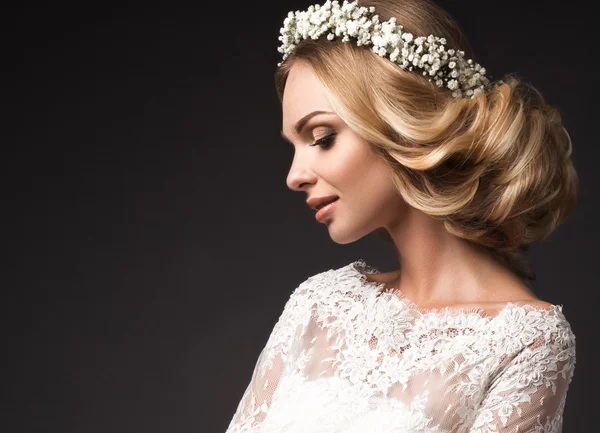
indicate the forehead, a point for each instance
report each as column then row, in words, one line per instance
column 303, row 94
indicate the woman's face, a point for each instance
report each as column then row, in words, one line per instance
column 343, row 165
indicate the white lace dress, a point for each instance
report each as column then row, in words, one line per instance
column 346, row 356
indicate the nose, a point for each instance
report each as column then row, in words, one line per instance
column 298, row 177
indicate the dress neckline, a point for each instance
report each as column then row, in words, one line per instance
column 362, row 269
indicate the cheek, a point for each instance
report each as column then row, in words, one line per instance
column 359, row 175
column 372, row 185
column 350, row 164
column 345, row 169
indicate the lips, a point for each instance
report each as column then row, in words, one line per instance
column 317, row 202
column 326, row 203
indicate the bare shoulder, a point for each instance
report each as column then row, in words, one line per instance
column 520, row 294
column 538, row 303
column 511, row 291
column 382, row 277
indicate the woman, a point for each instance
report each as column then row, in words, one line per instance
column 397, row 130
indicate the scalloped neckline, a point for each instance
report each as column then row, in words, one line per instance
column 359, row 266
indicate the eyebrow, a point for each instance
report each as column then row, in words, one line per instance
column 300, row 124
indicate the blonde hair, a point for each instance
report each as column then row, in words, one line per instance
column 496, row 169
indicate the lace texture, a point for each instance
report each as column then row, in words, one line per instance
column 345, row 356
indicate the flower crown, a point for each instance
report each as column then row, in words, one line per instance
column 445, row 67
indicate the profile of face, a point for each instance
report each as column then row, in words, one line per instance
column 332, row 160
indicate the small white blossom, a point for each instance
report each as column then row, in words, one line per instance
column 428, row 55
column 352, row 28
column 453, row 84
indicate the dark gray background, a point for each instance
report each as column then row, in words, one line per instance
column 150, row 240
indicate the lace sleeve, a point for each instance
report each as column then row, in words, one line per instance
column 530, row 394
column 256, row 400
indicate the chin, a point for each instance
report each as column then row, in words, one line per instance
column 342, row 236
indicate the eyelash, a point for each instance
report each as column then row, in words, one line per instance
column 325, row 142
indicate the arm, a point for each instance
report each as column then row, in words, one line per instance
column 530, row 394
column 254, row 404
column 256, row 400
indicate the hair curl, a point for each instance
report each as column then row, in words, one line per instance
column 496, row 169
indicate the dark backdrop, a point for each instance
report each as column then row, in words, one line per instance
column 150, row 241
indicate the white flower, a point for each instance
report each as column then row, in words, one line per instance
column 352, row 27
column 453, row 84
column 427, row 55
